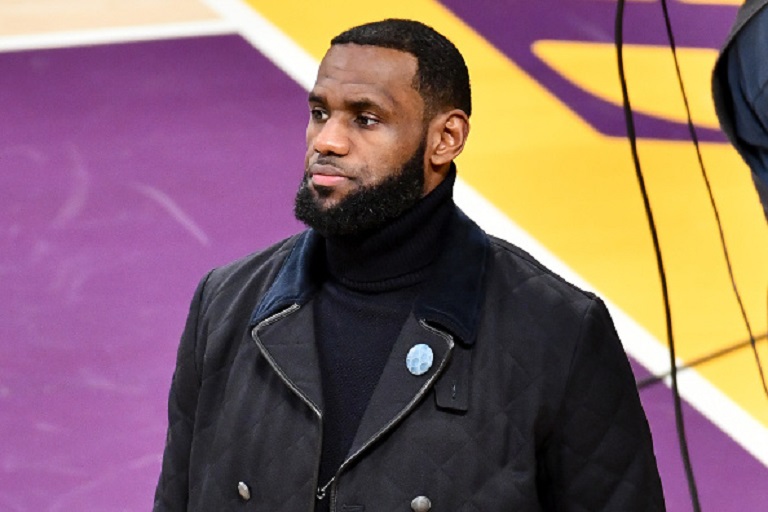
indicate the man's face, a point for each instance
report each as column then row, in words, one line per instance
column 366, row 130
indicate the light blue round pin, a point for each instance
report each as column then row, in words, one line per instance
column 419, row 359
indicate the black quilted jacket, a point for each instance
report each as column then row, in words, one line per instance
column 530, row 404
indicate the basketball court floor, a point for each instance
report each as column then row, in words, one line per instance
column 143, row 143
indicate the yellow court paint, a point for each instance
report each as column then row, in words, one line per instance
column 651, row 69
column 575, row 191
column 42, row 16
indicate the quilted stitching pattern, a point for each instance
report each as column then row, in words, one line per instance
column 553, row 423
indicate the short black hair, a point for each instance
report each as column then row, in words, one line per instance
column 442, row 78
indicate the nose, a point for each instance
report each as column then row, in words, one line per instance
column 331, row 138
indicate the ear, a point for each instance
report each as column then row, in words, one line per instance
column 448, row 134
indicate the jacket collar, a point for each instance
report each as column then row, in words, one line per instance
column 452, row 297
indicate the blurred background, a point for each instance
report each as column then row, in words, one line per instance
column 144, row 142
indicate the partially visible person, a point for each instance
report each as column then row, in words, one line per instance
column 740, row 90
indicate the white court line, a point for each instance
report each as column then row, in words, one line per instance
column 116, row 35
column 638, row 342
column 269, row 40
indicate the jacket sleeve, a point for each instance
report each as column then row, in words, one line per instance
column 172, row 489
column 599, row 456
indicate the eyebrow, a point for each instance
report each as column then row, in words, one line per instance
column 363, row 103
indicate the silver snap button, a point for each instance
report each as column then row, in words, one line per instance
column 243, row 491
column 421, row 504
column 419, row 359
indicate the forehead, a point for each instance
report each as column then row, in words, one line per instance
column 382, row 75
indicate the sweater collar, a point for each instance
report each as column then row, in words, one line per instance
column 397, row 254
column 452, row 297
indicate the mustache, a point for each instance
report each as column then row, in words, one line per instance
column 329, row 160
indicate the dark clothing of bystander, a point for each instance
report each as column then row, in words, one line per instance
column 740, row 90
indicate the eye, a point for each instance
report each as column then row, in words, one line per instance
column 366, row 120
column 318, row 114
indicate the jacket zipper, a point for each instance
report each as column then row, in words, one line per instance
column 321, row 491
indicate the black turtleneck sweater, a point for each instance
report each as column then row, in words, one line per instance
column 370, row 286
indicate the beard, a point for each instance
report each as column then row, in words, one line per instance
column 367, row 208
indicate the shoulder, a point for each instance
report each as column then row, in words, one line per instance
column 225, row 298
column 518, row 270
column 745, row 13
column 528, row 297
column 247, row 277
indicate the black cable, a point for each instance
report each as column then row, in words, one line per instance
column 695, row 140
column 717, row 354
column 629, row 118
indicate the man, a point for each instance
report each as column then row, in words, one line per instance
column 740, row 90
column 394, row 356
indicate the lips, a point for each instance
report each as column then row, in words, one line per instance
column 324, row 175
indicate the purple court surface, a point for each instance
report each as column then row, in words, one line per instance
column 126, row 172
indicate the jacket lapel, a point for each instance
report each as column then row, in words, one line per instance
column 287, row 340
column 282, row 324
column 283, row 327
column 399, row 390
